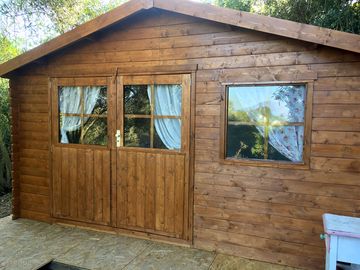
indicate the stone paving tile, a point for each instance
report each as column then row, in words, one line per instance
column 164, row 256
column 226, row 262
column 27, row 245
column 108, row 252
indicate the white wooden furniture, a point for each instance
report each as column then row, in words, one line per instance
column 342, row 238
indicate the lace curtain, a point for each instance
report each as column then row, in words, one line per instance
column 70, row 102
column 168, row 102
column 285, row 104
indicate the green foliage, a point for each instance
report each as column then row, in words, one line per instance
column 342, row 15
column 7, row 51
column 244, row 5
column 34, row 21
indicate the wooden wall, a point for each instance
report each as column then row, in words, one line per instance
column 268, row 214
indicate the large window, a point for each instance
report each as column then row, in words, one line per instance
column 83, row 115
column 152, row 117
column 266, row 122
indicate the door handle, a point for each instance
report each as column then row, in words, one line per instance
column 118, row 138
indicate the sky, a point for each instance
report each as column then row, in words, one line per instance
column 26, row 39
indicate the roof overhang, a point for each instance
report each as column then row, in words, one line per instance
column 285, row 28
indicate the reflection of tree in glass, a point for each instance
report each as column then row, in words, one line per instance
column 94, row 130
column 243, row 138
column 294, row 98
column 136, row 99
column 137, row 132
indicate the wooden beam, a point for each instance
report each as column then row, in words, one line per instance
column 76, row 34
column 310, row 33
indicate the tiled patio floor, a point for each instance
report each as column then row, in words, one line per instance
column 26, row 244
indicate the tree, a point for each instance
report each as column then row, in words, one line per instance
column 342, row 15
column 31, row 22
column 28, row 23
column 244, row 5
column 7, row 51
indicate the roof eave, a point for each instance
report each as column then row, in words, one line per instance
column 304, row 32
column 82, row 31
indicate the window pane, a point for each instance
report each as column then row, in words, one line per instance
column 244, row 141
column 70, row 99
column 168, row 99
column 137, row 132
column 167, row 134
column 95, row 100
column 267, row 104
column 70, row 129
column 287, row 142
column 271, row 112
column 136, row 99
column 95, row 131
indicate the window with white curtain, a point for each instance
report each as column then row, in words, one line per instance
column 266, row 122
column 152, row 116
column 83, row 115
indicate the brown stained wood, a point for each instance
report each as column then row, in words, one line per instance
column 225, row 16
column 259, row 230
column 169, row 193
column 179, row 190
column 33, row 189
column 140, row 189
column 336, row 111
column 106, row 186
column 121, row 188
column 339, row 151
column 131, row 189
column 76, row 34
column 262, row 243
column 337, row 97
column 160, row 193
column 150, row 192
column 81, row 176
column 264, row 24
column 90, row 188
column 336, row 124
column 241, row 209
column 65, row 183
column 98, row 191
column 336, row 137
column 74, row 189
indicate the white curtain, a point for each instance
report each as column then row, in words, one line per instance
column 168, row 102
column 285, row 103
column 70, row 102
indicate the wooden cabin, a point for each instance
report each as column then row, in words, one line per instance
column 192, row 124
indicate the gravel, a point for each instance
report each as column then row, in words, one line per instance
column 5, row 205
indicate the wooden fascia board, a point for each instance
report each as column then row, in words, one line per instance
column 310, row 33
column 305, row 32
column 76, row 34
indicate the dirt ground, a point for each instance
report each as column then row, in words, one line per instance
column 5, row 205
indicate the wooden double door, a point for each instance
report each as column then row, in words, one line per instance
column 127, row 163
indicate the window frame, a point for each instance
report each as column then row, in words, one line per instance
column 259, row 162
column 56, row 83
column 152, row 116
column 181, row 78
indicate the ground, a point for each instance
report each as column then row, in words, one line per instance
column 5, row 205
column 27, row 244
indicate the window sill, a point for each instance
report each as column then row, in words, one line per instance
column 264, row 163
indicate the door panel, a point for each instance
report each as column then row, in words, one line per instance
column 150, row 191
column 152, row 183
column 81, row 184
column 81, row 164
